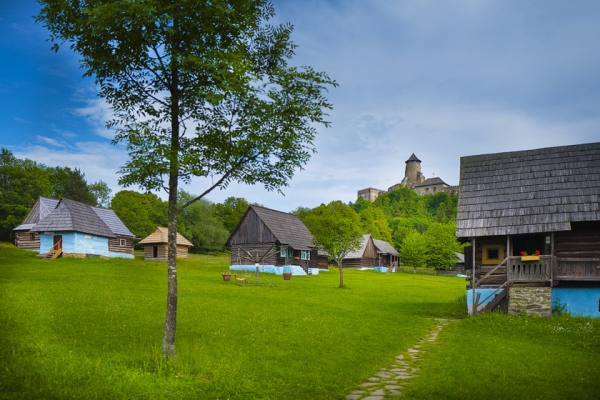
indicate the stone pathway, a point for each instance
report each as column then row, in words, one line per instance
column 389, row 381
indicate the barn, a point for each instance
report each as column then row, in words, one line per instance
column 532, row 219
column 156, row 245
column 71, row 228
column 271, row 237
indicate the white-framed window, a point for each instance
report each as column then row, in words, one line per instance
column 283, row 252
column 122, row 242
column 305, row 254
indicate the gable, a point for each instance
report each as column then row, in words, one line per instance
column 263, row 225
column 532, row 191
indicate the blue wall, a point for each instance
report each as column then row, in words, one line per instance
column 578, row 301
column 75, row 242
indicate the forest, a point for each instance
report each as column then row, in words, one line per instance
column 421, row 228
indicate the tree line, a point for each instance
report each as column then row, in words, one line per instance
column 23, row 181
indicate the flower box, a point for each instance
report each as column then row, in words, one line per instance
column 530, row 258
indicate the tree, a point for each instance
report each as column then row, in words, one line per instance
column 374, row 222
column 336, row 230
column 198, row 224
column 442, row 246
column 413, row 251
column 198, row 89
column 21, row 183
column 231, row 211
column 101, row 192
column 70, row 184
column 140, row 212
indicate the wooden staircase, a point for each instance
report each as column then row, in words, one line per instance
column 54, row 252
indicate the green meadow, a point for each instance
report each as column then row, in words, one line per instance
column 92, row 329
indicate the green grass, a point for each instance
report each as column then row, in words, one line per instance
column 92, row 328
column 496, row 356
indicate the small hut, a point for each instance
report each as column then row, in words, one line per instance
column 156, row 245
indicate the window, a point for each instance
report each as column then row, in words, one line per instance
column 122, row 242
column 305, row 254
column 32, row 236
column 492, row 253
column 283, row 252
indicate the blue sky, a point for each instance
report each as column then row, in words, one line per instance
column 440, row 79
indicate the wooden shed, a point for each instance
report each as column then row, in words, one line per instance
column 533, row 220
column 156, row 245
column 271, row 237
column 71, row 228
column 366, row 256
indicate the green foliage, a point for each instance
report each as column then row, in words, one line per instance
column 442, row 246
column 70, row 184
column 22, row 182
column 101, row 192
column 336, row 230
column 140, row 212
column 414, row 250
column 373, row 221
column 230, row 212
column 198, row 225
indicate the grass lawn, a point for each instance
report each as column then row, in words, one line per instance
column 92, row 328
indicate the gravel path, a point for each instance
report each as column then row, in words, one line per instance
column 389, row 381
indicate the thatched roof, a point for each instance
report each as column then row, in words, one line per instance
column 532, row 191
column 73, row 216
column 161, row 236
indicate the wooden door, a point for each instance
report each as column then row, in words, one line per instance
column 57, row 242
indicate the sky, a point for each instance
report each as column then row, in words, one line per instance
column 440, row 79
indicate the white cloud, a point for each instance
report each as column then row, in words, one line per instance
column 49, row 141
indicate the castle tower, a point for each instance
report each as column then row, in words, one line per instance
column 412, row 172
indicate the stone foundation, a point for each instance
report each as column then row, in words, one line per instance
column 530, row 301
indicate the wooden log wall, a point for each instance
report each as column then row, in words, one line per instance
column 114, row 245
column 29, row 241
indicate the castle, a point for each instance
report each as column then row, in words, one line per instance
column 414, row 179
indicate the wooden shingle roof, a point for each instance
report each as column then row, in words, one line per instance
column 532, row 191
column 267, row 225
column 73, row 216
column 384, row 247
column 287, row 228
column 161, row 236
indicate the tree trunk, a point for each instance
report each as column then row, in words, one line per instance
column 171, row 315
column 341, row 273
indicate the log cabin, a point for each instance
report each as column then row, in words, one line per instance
column 156, row 245
column 71, row 228
column 533, row 221
column 372, row 253
column 271, row 237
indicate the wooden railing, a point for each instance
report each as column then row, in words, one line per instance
column 529, row 271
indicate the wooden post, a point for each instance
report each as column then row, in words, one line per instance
column 473, row 278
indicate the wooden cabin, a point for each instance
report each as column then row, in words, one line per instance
column 156, row 245
column 372, row 253
column 515, row 205
column 387, row 255
column 270, row 237
column 71, row 228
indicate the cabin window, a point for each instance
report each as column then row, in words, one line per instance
column 122, row 242
column 32, row 236
column 286, row 252
column 305, row 254
column 492, row 253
